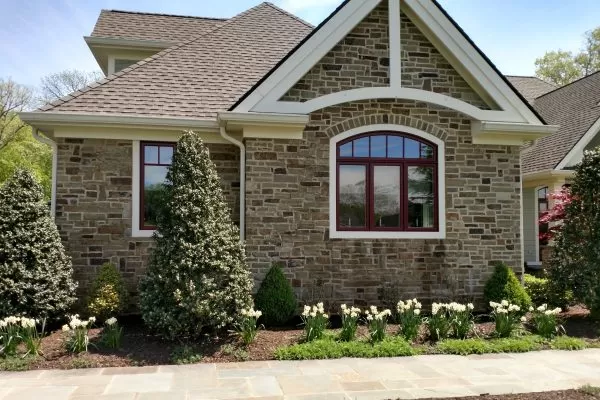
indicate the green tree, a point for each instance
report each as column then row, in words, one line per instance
column 562, row 67
column 575, row 260
column 14, row 98
column 36, row 276
column 197, row 277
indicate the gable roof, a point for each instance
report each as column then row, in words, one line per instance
column 531, row 87
column 197, row 78
column 575, row 107
column 117, row 24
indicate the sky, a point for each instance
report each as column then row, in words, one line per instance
column 39, row 37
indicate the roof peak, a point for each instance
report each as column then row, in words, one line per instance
column 162, row 14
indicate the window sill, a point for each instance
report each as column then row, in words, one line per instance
column 386, row 235
column 142, row 233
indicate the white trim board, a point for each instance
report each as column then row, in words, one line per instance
column 265, row 97
column 575, row 155
column 136, row 195
column 441, row 189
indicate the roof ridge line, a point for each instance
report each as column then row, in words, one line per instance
column 140, row 63
column 289, row 14
column 569, row 84
column 162, row 14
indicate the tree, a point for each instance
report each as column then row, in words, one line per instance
column 60, row 84
column 575, row 260
column 36, row 276
column 14, row 98
column 552, row 219
column 197, row 276
column 563, row 67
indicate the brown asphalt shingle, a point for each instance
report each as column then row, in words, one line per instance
column 575, row 108
column 118, row 24
column 198, row 78
column 530, row 87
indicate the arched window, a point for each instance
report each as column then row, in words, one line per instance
column 386, row 181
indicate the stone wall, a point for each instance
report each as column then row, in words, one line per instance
column 288, row 213
column 93, row 205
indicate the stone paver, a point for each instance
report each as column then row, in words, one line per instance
column 344, row 379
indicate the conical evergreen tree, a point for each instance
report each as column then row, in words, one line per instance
column 197, row 278
column 36, row 276
column 575, row 260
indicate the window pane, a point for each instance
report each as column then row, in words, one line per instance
column 378, row 146
column 420, row 197
column 151, row 154
column 361, row 147
column 346, row 150
column 166, row 154
column 154, row 178
column 387, row 195
column 352, row 195
column 412, row 148
column 426, row 151
column 395, row 148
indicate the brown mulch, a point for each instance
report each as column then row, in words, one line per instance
column 558, row 395
column 142, row 348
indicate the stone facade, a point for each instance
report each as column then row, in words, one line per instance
column 93, row 204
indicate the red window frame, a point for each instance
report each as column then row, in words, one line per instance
column 404, row 164
column 143, row 165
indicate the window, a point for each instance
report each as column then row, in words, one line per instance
column 154, row 163
column 386, row 181
column 121, row 64
column 542, row 199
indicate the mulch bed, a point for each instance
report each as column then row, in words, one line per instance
column 558, row 395
column 141, row 348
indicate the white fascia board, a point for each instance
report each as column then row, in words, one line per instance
column 575, row 155
column 48, row 119
column 508, row 133
column 130, row 44
column 233, row 119
column 305, row 57
column 454, row 41
column 548, row 174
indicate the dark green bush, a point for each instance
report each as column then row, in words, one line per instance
column 108, row 294
column 504, row 285
column 541, row 291
column 275, row 298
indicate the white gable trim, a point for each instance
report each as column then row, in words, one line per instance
column 441, row 189
column 433, row 23
column 575, row 155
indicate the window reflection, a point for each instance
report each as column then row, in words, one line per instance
column 386, row 195
column 420, row 197
column 156, row 161
column 352, row 195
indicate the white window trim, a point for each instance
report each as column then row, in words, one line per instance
column 441, row 189
column 136, row 195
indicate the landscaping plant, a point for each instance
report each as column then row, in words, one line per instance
column 461, row 319
column 112, row 333
column 197, row 278
column 507, row 318
column 275, row 298
column 36, row 276
column 108, row 294
column 10, row 335
column 504, row 285
column 409, row 318
column 247, row 327
column 315, row 322
column 350, row 316
column 575, row 257
column 439, row 323
column 377, row 323
column 78, row 331
column 31, row 337
column 545, row 320
column 542, row 291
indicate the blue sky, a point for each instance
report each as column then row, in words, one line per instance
column 38, row 37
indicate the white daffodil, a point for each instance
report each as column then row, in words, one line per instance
column 111, row 321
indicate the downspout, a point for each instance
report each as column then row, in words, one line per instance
column 242, row 148
column 52, row 144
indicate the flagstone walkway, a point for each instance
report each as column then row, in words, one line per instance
column 348, row 379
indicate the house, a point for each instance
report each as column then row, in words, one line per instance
column 377, row 153
column 548, row 164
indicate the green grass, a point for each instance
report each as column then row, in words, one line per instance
column 567, row 343
column 482, row 346
column 328, row 348
column 17, row 363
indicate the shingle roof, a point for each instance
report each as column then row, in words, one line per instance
column 531, row 87
column 118, row 24
column 198, row 78
column 575, row 108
